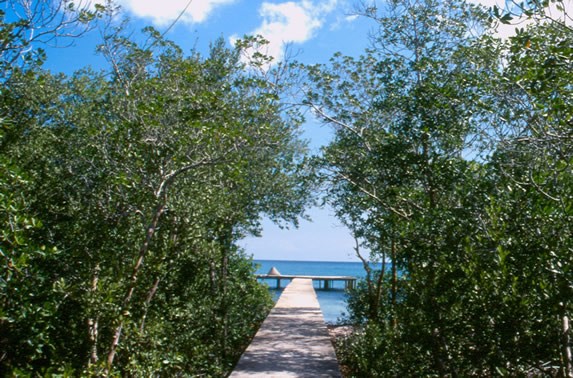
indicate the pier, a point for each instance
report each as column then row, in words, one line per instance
column 293, row 340
column 325, row 282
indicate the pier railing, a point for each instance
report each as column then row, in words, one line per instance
column 324, row 282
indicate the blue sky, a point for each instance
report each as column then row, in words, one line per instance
column 314, row 30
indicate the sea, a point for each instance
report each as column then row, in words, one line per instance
column 332, row 301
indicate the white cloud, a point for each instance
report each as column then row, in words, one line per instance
column 351, row 18
column 343, row 21
column 290, row 22
column 163, row 12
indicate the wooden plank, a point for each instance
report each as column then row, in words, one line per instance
column 293, row 340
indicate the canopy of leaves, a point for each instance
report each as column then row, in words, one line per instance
column 452, row 164
column 123, row 194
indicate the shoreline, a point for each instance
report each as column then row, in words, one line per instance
column 339, row 332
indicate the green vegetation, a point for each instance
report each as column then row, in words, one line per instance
column 122, row 196
column 452, row 162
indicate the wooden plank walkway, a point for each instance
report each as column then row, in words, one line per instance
column 293, row 340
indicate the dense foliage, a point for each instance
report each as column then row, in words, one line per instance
column 452, row 163
column 123, row 194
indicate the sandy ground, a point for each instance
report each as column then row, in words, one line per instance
column 337, row 333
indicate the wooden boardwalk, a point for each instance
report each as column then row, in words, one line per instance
column 293, row 340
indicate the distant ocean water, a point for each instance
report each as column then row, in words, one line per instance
column 332, row 302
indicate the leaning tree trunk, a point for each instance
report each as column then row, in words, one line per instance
column 148, row 298
column 225, row 241
column 394, row 283
column 93, row 322
column 133, row 281
column 565, row 343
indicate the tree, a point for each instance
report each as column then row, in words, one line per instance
column 535, row 157
column 406, row 115
column 25, row 26
column 145, row 180
column 451, row 160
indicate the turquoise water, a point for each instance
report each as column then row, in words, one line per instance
column 332, row 302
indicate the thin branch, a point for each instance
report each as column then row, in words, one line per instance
column 374, row 196
column 177, row 19
column 330, row 119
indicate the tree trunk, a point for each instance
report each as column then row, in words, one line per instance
column 427, row 170
column 369, row 283
column 150, row 295
column 437, row 354
column 226, row 243
column 223, row 302
column 133, row 282
column 565, row 344
column 93, row 321
column 394, row 282
column 379, row 288
column 442, row 355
